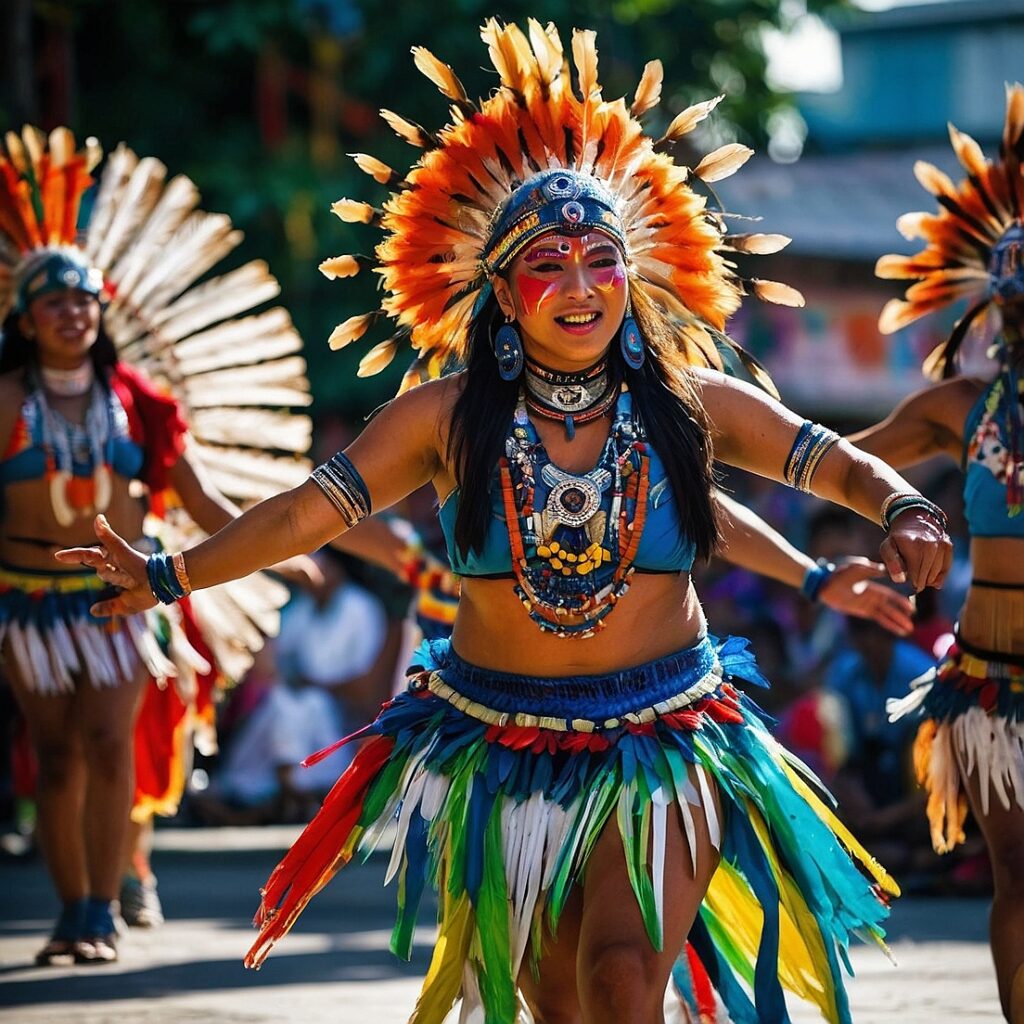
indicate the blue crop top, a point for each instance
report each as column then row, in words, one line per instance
column 986, row 463
column 26, row 454
column 663, row 547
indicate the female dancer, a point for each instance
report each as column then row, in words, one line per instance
column 573, row 766
column 82, row 431
column 970, row 746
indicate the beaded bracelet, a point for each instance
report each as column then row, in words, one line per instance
column 813, row 442
column 163, row 580
column 815, row 578
column 900, row 502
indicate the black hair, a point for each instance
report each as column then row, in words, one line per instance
column 665, row 404
column 18, row 351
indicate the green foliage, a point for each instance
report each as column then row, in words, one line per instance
column 185, row 80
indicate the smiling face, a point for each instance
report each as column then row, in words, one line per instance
column 64, row 325
column 568, row 294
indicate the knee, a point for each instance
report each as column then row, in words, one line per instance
column 107, row 750
column 621, row 982
column 559, row 1007
column 58, row 758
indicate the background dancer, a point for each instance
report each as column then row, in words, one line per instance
column 531, row 774
column 85, row 430
column 970, row 748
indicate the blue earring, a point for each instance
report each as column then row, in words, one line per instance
column 508, row 349
column 631, row 342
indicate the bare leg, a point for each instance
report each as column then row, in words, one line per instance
column 1004, row 835
column 106, row 720
column 601, row 968
column 61, row 786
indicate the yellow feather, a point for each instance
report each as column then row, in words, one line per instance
column 62, row 146
column 444, row 978
column 1014, row 124
column 16, row 152
column 35, row 144
column 339, row 266
column 351, row 330
column 909, row 224
column 584, row 56
column 935, row 181
column 648, row 91
column 440, row 74
column 968, row 152
column 351, row 211
column 723, row 161
column 413, row 133
column 376, row 169
column 377, row 358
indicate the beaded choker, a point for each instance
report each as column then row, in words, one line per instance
column 68, row 383
column 572, row 398
column 574, row 537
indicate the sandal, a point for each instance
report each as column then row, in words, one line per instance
column 56, row 950
column 96, row 949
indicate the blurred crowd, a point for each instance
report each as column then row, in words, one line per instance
column 344, row 641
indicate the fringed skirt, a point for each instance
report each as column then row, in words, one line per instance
column 973, row 708
column 501, row 785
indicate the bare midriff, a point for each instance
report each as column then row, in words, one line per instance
column 993, row 617
column 31, row 533
column 657, row 616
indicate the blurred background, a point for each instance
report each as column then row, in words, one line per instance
column 259, row 101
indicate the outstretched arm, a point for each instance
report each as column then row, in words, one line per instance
column 749, row 542
column 754, row 432
column 398, row 452
column 927, row 423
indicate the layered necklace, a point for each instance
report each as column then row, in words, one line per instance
column 574, row 536
column 65, row 443
column 571, row 398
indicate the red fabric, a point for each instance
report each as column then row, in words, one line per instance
column 156, row 421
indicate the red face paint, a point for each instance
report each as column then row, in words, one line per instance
column 544, row 266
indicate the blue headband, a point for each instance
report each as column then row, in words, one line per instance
column 59, row 270
column 560, row 200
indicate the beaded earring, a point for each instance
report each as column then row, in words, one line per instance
column 631, row 341
column 508, row 349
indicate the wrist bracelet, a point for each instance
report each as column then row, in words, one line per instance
column 898, row 503
column 181, row 573
column 162, row 579
column 815, row 578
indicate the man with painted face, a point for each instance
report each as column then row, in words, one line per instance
column 576, row 769
column 969, row 750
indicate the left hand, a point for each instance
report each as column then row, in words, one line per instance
column 917, row 550
column 850, row 590
column 300, row 570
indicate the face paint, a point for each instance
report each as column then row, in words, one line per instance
column 537, row 284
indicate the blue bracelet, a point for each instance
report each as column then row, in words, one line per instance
column 163, row 580
column 815, row 578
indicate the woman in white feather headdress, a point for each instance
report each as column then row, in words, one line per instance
column 85, row 430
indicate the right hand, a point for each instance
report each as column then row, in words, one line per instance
column 116, row 562
column 851, row 590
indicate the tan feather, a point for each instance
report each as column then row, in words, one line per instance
column 440, row 74
column 1013, row 126
column 896, row 314
column 968, row 152
column 376, row 169
column 648, row 91
column 115, row 176
column 413, row 133
column 757, row 244
column 584, row 56
column 685, row 121
column 16, row 152
column 352, row 211
column 242, row 427
column 93, row 153
column 935, row 181
column 775, row 291
column 723, row 161
column 35, row 145
column 351, row 330
column 134, row 204
column 61, row 147
column 378, row 357
column 341, row 266
column 909, row 224
column 548, row 56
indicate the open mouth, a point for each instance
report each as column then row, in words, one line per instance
column 578, row 319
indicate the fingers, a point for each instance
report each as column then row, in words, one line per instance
column 894, row 564
column 943, row 563
column 892, row 611
column 112, row 606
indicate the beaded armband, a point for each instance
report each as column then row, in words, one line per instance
column 815, row 578
column 812, row 444
column 344, row 487
column 899, row 502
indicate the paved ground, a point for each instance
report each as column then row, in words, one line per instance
column 334, row 967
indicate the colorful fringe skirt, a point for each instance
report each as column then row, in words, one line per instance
column 973, row 708
column 501, row 785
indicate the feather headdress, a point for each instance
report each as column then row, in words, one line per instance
column 973, row 242
column 236, row 373
column 440, row 215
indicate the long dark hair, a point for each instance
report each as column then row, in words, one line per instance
column 18, row 351
column 665, row 403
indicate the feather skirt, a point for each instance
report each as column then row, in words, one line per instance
column 973, row 710
column 501, row 785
